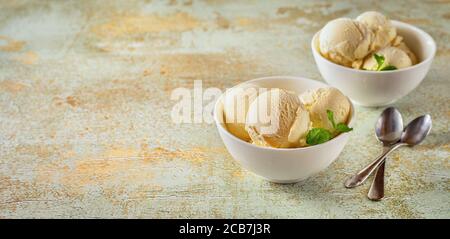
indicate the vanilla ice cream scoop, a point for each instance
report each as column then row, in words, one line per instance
column 345, row 41
column 277, row 119
column 236, row 103
column 402, row 46
column 393, row 56
column 319, row 101
column 380, row 25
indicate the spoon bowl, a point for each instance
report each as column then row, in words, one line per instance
column 389, row 126
column 416, row 131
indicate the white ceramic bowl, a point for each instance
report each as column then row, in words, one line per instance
column 281, row 165
column 372, row 88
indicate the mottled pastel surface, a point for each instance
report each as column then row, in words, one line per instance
column 85, row 127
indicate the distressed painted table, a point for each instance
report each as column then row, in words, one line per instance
column 85, row 126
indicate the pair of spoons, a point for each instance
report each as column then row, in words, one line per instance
column 389, row 130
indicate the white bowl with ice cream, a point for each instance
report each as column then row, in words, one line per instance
column 379, row 88
column 281, row 165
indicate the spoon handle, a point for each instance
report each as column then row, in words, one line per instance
column 362, row 175
column 376, row 191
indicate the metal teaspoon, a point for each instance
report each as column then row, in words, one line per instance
column 388, row 129
column 414, row 133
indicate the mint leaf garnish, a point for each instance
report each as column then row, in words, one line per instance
column 388, row 68
column 380, row 61
column 330, row 116
column 341, row 127
column 318, row 136
column 321, row 135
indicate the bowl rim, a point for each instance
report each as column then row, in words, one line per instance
column 221, row 126
column 413, row 28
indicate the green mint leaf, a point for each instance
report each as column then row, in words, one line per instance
column 380, row 60
column 388, row 68
column 318, row 136
column 331, row 118
column 341, row 127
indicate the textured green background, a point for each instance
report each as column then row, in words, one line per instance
column 85, row 127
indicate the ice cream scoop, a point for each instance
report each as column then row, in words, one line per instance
column 277, row 118
column 319, row 101
column 393, row 56
column 345, row 41
column 236, row 103
column 380, row 25
column 408, row 51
